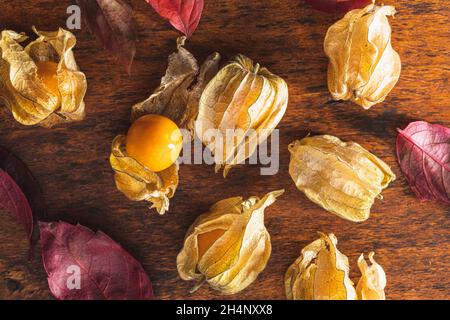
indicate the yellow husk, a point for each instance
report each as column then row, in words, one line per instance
column 363, row 65
column 373, row 280
column 320, row 273
column 343, row 178
column 236, row 258
column 139, row 183
column 243, row 97
column 24, row 93
column 176, row 98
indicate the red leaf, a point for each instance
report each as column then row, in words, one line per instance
column 106, row 270
column 20, row 173
column 423, row 151
column 14, row 201
column 184, row 15
column 113, row 24
column 337, row 6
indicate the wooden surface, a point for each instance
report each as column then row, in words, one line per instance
column 411, row 239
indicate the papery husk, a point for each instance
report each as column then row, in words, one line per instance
column 139, row 183
column 242, row 96
column 343, row 178
column 363, row 65
column 25, row 94
column 179, row 93
column 237, row 257
column 320, row 273
column 176, row 98
column 373, row 280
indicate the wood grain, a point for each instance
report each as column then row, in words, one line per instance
column 411, row 239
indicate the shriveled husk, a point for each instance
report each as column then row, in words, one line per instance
column 343, row 178
column 139, row 183
column 320, row 273
column 243, row 97
column 179, row 93
column 176, row 98
column 25, row 94
column 236, row 257
column 373, row 280
column 363, row 65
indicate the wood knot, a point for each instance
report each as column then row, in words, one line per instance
column 13, row 285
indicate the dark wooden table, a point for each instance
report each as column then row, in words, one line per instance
column 411, row 239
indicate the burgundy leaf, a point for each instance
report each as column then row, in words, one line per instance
column 113, row 24
column 337, row 6
column 106, row 271
column 423, row 151
column 184, row 15
column 14, row 202
column 23, row 177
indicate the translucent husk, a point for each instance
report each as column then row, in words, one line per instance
column 322, row 273
column 373, row 280
column 243, row 97
column 176, row 98
column 343, row 178
column 235, row 257
column 363, row 65
column 25, row 94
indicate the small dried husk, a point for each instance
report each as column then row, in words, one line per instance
column 245, row 98
column 320, row 273
column 179, row 93
column 343, row 178
column 363, row 65
column 373, row 280
column 25, row 94
column 176, row 98
column 229, row 245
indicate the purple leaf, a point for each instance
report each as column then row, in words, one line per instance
column 337, row 6
column 20, row 173
column 113, row 24
column 423, row 151
column 14, row 202
column 106, row 271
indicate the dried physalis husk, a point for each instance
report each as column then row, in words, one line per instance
column 176, row 98
column 139, row 183
column 179, row 92
column 363, row 65
column 373, row 280
column 246, row 100
column 343, row 178
column 41, row 83
column 320, row 273
column 229, row 245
